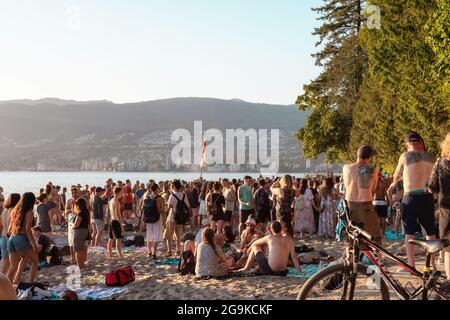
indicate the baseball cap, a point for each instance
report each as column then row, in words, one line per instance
column 98, row 189
column 251, row 221
column 414, row 137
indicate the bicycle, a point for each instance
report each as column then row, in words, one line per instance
column 345, row 280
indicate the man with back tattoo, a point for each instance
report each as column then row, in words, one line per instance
column 360, row 184
column 415, row 167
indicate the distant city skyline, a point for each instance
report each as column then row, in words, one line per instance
column 254, row 50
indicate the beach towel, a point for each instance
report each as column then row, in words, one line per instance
column 172, row 261
column 390, row 235
column 307, row 270
column 92, row 293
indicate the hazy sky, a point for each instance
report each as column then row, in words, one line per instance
column 124, row 51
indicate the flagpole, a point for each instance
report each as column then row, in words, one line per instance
column 202, row 163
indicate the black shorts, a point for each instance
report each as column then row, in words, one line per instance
column 263, row 215
column 245, row 214
column 263, row 263
column 419, row 208
column 217, row 216
column 227, row 216
column 115, row 230
column 382, row 211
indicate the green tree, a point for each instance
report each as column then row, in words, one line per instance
column 335, row 92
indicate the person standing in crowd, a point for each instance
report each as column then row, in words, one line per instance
column 63, row 197
column 314, row 186
column 5, row 216
column 230, row 199
column 128, row 202
column 282, row 190
column 98, row 216
column 415, row 167
column 116, row 224
column 439, row 184
column 138, row 194
column 81, row 231
column 172, row 227
column 22, row 246
column 360, row 184
column 193, row 196
column 2, row 199
column 70, row 216
column 327, row 209
column 304, row 203
column 215, row 202
column 246, row 203
column 152, row 208
column 263, row 204
column 43, row 216
column 380, row 201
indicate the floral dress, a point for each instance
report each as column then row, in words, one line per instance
column 328, row 218
column 303, row 213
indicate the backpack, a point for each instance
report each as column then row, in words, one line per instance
column 139, row 241
column 213, row 208
column 151, row 214
column 54, row 257
column 181, row 211
column 119, row 277
column 186, row 264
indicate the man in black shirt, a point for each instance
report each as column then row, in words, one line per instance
column 98, row 216
column 43, row 243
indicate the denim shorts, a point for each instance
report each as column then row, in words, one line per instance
column 19, row 243
column 4, row 246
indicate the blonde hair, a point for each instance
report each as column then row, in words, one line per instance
column 445, row 146
column 286, row 182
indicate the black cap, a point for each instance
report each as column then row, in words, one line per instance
column 413, row 137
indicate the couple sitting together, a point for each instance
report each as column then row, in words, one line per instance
column 268, row 255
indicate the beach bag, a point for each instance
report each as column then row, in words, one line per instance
column 151, row 214
column 186, row 264
column 54, row 257
column 181, row 211
column 139, row 241
column 119, row 277
column 128, row 227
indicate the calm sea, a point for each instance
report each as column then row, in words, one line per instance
column 21, row 181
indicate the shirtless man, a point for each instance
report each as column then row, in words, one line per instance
column 415, row 167
column 280, row 248
column 360, row 183
column 379, row 201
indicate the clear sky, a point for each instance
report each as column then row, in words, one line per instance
column 127, row 51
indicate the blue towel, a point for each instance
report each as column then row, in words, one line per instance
column 172, row 261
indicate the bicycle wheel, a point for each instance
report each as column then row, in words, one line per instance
column 330, row 284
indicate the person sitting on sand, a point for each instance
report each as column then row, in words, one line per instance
column 206, row 223
column 43, row 244
column 7, row 291
column 210, row 260
column 280, row 248
column 22, row 246
column 250, row 234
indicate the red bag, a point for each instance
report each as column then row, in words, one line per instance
column 119, row 277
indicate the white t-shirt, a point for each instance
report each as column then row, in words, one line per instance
column 173, row 201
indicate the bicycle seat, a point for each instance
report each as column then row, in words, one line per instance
column 431, row 246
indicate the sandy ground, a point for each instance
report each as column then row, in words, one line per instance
column 157, row 282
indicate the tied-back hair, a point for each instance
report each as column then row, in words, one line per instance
column 208, row 235
column 303, row 186
column 25, row 204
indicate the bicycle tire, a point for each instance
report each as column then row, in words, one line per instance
column 335, row 270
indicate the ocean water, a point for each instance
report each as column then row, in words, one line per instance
column 21, row 181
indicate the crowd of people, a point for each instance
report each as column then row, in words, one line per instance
column 216, row 227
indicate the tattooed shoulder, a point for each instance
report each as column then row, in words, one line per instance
column 418, row 156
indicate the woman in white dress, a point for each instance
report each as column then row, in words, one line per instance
column 303, row 208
